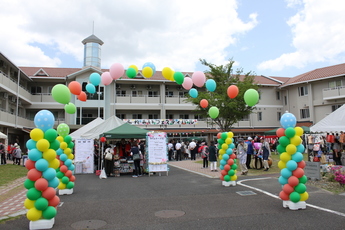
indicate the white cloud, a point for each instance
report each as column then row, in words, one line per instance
column 172, row 33
column 318, row 35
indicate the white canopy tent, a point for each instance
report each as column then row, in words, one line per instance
column 92, row 124
column 109, row 124
column 334, row 122
column 3, row 136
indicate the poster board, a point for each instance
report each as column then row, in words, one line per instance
column 157, row 152
column 84, row 156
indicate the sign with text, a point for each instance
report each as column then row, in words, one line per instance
column 312, row 170
column 157, row 152
column 161, row 121
column 84, row 151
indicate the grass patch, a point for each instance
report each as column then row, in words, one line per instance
column 11, row 172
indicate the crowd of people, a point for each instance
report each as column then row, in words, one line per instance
column 12, row 153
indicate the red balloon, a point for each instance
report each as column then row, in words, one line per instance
column 301, row 164
column 34, row 174
column 82, row 96
column 232, row 91
column 288, row 189
column 221, row 177
column 68, row 173
column 29, row 164
column 293, row 181
column 280, row 132
column 61, row 163
column 203, row 103
column 227, row 168
column 72, row 178
column 63, row 168
column 103, row 139
column 223, row 172
column 49, row 193
column 233, row 156
column 54, row 201
column 41, row 184
column 284, row 196
column 231, row 161
column 219, row 135
column 74, row 87
column 298, row 172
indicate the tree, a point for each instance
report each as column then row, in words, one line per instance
column 230, row 110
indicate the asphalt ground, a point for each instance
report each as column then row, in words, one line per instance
column 186, row 200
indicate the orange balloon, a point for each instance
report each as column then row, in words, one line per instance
column 54, row 201
column 232, row 91
column 280, row 132
column 82, row 96
column 284, row 196
column 219, row 135
column 204, row 103
column 74, row 87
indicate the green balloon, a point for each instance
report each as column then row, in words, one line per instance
column 50, row 135
column 61, row 94
column 29, row 184
column 41, row 203
column 213, row 112
column 65, row 179
column 71, row 145
column 179, row 78
column 281, row 148
column 55, row 145
column 33, row 194
column 227, row 178
column 284, row 141
column 235, row 161
column 290, row 132
column 60, row 175
column 303, row 179
column 70, row 108
column 49, row 213
column 131, row 73
column 251, row 97
column 224, row 135
column 63, row 129
column 67, row 139
column 300, row 188
column 221, row 141
column 231, row 172
column 234, row 166
column 70, row 185
column 295, row 197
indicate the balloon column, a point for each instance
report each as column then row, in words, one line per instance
column 65, row 154
column 291, row 163
column 227, row 158
column 41, row 196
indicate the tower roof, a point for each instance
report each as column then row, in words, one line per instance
column 92, row 38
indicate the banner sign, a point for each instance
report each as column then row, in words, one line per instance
column 161, row 121
column 84, row 156
column 157, row 152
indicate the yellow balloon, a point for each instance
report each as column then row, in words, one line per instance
column 49, row 155
column 63, row 145
column 285, row 157
column 147, row 72
column 70, row 156
column 172, row 76
column 54, row 164
column 220, row 157
column 291, row 149
column 233, row 178
column 61, row 185
column 228, row 141
column 134, row 67
column 28, row 204
column 225, row 146
column 33, row 214
column 296, row 140
column 36, row 134
column 282, row 164
column 221, row 151
column 304, row 196
column 60, row 139
column 67, row 151
column 230, row 134
column 167, row 73
column 43, row 145
column 299, row 131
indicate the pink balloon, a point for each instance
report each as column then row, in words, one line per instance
column 199, row 78
column 116, row 71
column 106, row 78
column 187, row 83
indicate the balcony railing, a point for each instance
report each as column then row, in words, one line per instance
column 333, row 93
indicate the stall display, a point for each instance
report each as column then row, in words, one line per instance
column 157, row 152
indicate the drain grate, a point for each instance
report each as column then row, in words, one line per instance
column 88, row 224
column 246, row 193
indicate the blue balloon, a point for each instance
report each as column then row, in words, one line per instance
column 232, row 145
column 71, row 167
column 282, row 180
column 211, row 85
column 59, row 152
column 63, row 157
column 150, row 64
column 68, row 162
column 286, row 173
column 54, row 182
column 193, row 93
column 95, row 79
column 221, row 167
column 229, row 151
column 298, row 157
column 42, row 165
column 31, row 144
column 288, row 120
column 291, row 165
column 300, row 148
column 44, row 120
column 222, row 162
column 35, row 154
column 49, row 174
column 225, row 157
column 90, row 88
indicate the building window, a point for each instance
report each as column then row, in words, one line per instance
column 278, row 95
column 245, row 118
column 305, row 113
column 134, row 93
column 184, row 116
column 153, row 116
column 279, row 115
column 36, row 90
column 334, row 84
column 335, row 107
column 50, row 88
column 120, row 93
column 285, row 100
column 182, row 94
column 259, row 116
column 303, row 91
column 198, row 117
column 169, row 116
column 136, row 116
column 121, row 116
column 169, row 93
column 153, row 93
column 94, row 96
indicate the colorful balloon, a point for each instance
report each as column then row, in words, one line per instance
column 106, row 78
column 203, row 103
column 280, row 132
column 63, row 129
column 288, row 120
column 232, row 91
column 95, row 79
column 211, row 85
column 168, row 73
column 50, row 135
column 199, row 78
column 151, row 65
column 251, row 97
column 36, row 134
column 70, row 108
column 90, row 88
column 193, row 93
column 134, row 67
column 179, row 78
column 82, row 96
column 116, row 71
column 61, row 93
column 213, row 112
column 147, row 72
column 187, row 83
column 131, row 73
column 44, row 120
column 74, row 87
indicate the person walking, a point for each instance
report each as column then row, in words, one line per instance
column 250, row 152
column 212, row 156
column 204, row 154
column 109, row 161
column 3, row 154
column 242, row 155
column 178, row 151
column 170, row 150
column 336, row 152
column 193, row 149
column 17, row 154
column 136, row 154
column 266, row 152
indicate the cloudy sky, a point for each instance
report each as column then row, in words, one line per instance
column 269, row 37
